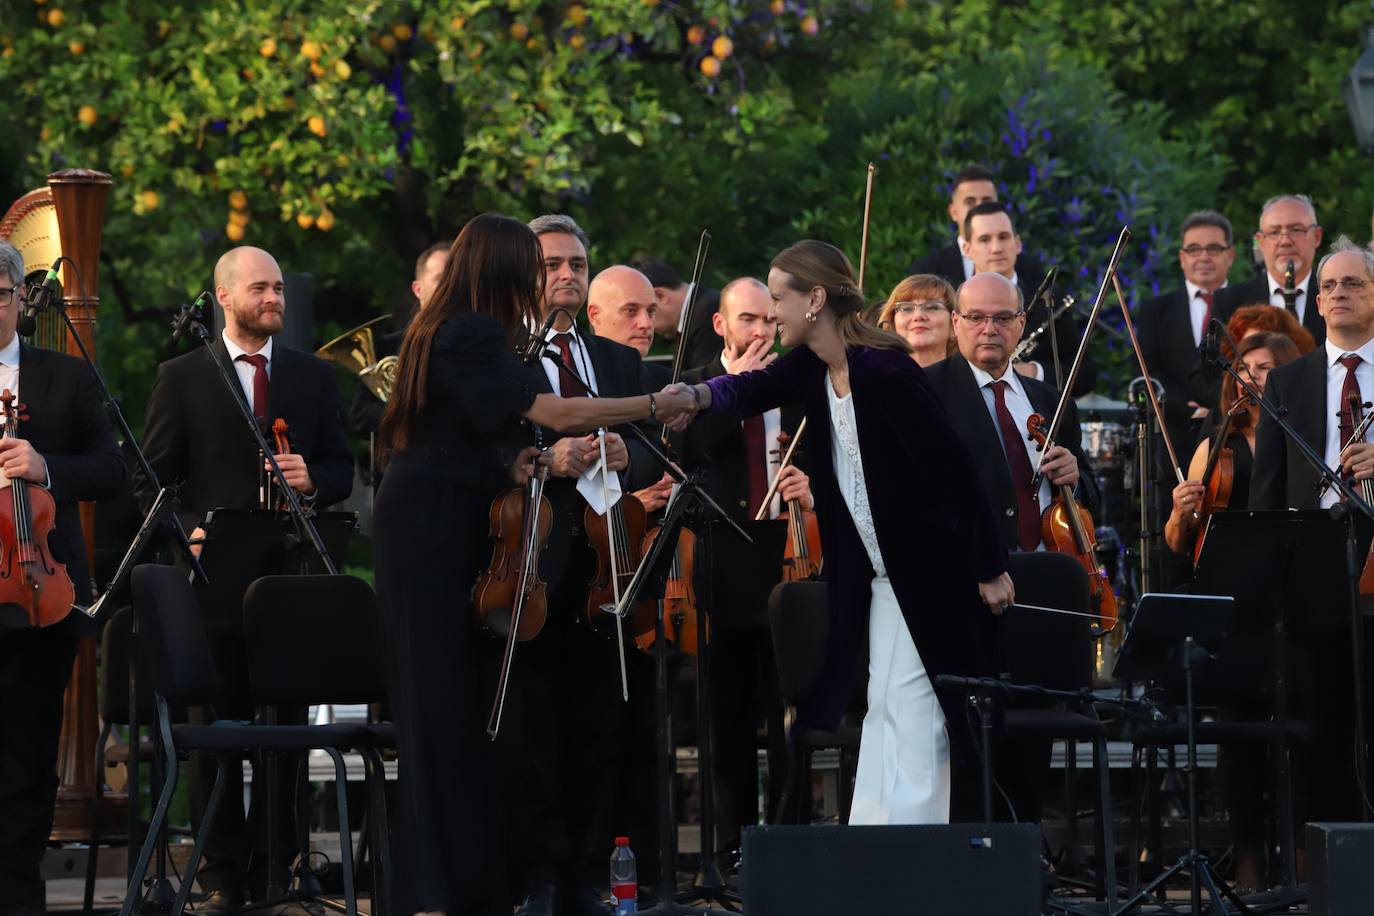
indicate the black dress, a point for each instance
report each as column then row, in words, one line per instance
column 430, row 542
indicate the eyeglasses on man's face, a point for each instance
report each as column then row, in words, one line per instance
column 1295, row 232
column 6, row 293
column 1349, row 284
column 1001, row 319
column 1196, row 250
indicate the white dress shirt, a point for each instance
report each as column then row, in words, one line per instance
column 772, row 428
column 968, row 261
column 581, row 359
column 1276, row 294
column 1335, row 379
column 245, row 369
column 1020, row 408
column 1197, row 309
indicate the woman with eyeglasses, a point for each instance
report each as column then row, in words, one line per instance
column 912, row 554
column 919, row 311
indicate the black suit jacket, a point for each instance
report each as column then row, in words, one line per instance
column 1067, row 335
column 68, row 426
column 1230, row 298
column 1282, row 478
column 948, row 262
column 619, row 373
column 196, row 438
column 1165, row 329
column 954, row 383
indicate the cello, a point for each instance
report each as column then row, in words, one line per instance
column 29, row 575
column 1068, row 528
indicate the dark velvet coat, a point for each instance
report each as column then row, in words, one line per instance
column 935, row 528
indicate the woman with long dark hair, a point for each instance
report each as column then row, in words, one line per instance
column 910, row 543
column 454, row 438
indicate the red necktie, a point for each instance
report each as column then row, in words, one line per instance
column 756, row 460
column 1207, row 313
column 259, row 363
column 1018, row 461
column 1351, row 386
column 569, row 383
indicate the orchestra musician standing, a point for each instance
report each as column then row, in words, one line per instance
column 919, row 568
column 740, row 460
column 989, row 402
column 993, row 243
column 972, row 185
column 1288, row 231
column 454, row 435
column 1312, row 391
column 564, row 725
column 195, row 437
column 67, row 446
column 671, row 321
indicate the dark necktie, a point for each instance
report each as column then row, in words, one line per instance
column 1290, row 304
column 1018, row 462
column 1351, row 386
column 569, row 383
column 259, row 364
column 1207, row 312
column 756, row 461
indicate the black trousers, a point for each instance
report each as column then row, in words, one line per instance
column 235, row 848
column 35, row 666
column 560, row 748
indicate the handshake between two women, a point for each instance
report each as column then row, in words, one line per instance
column 679, row 403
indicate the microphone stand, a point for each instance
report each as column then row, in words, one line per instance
column 161, row 517
column 1350, row 499
column 189, row 321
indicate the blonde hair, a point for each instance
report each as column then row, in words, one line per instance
column 809, row 265
column 921, row 287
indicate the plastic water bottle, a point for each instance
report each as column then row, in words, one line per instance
column 624, row 880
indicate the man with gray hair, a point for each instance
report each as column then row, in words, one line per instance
column 69, row 449
column 1313, row 392
column 1288, row 234
column 564, row 732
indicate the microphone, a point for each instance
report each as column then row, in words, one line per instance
column 534, row 347
column 1046, row 285
column 189, row 318
column 1210, row 350
column 37, row 300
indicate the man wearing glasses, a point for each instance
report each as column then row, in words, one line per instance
column 1288, row 231
column 1313, row 391
column 988, row 404
column 1171, row 327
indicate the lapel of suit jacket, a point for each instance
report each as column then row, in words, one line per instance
column 970, row 411
column 1309, row 415
column 1176, row 326
column 35, row 375
column 284, row 379
column 1311, row 318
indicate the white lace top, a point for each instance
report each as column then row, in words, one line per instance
column 849, row 472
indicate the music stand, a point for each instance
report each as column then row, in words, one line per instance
column 242, row 545
column 1169, row 631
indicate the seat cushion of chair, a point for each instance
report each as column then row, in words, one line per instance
column 1245, row 732
column 1053, row 723
column 227, row 735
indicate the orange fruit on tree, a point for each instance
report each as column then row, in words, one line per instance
column 317, row 125
column 325, row 222
column 777, row 7
column 722, row 47
column 87, row 115
column 149, row 199
column 578, row 41
column 342, row 70
column 234, row 232
column 402, row 31
column 387, row 43
column 305, row 220
column 577, row 14
column 56, row 17
column 310, row 49
column 268, row 47
column 519, row 31
column 810, row 25
column 238, row 218
column 710, row 66
column 696, row 34
column 76, row 47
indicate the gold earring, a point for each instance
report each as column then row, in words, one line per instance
column 811, row 317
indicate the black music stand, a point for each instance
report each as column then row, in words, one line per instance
column 241, row 546
column 1168, row 632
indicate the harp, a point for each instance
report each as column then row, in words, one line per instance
column 66, row 218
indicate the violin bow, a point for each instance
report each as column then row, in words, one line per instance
column 615, row 568
column 1052, row 435
column 786, row 460
column 703, row 246
column 1149, row 382
column 863, row 241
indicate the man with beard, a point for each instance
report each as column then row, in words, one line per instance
column 195, row 438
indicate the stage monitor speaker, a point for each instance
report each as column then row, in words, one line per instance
column 1340, row 880
column 935, row 870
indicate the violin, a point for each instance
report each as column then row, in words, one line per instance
column 29, row 576
column 801, row 557
column 1361, row 422
column 1068, row 528
column 281, row 439
column 1219, row 476
column 509, row 598
column 617, row 538
column 679, row 601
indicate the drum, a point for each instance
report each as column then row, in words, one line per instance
column 1103, row 442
